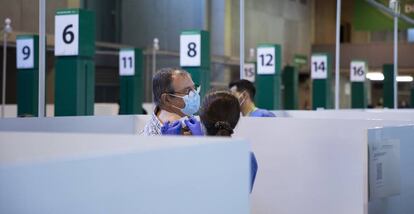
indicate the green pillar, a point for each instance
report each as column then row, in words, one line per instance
column 358, row 86
column 75, row 68
column 388, row 89
column 131, row 68
column 27, row 63
column 195, row 57
column 321, row 81
column 290, row 81
column 269, row 60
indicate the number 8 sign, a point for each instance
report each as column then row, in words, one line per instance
column 190, row 51
column 67, row 34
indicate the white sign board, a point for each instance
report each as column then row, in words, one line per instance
column 249, row 72
column 319, row 67
column 266, row 60
column 127, row 62
column 25, row 53
column 67, row 35
column 190, row 50
column 384, row 167
column 358, row 71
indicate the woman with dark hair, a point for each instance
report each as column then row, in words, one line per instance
column 219, row 115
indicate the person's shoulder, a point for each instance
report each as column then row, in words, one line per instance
column 262, row 113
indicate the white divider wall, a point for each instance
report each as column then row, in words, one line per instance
column 131, row 124
column 404, row 202
column 309, row 165
column 405, row 115
column 88, row 173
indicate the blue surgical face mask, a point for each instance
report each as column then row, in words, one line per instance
column 191, row 101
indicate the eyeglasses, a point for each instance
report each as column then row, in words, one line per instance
column 186, row 91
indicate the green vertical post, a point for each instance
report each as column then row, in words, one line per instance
column 27, row 63
column 195, row 57
column 388, row 89
column 131, row 68
column 358, row 85
column 268, row 77
column 321, row 80
column 75, row 67
column 290, row 81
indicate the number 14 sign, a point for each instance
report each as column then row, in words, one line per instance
column 319, row 66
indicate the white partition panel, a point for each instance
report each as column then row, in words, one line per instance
column 82, row 124
column 402, row 203
column 86, row 173
column 384, row 114
column 309, row 165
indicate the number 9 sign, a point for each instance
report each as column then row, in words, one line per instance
column 190, row 51
column 67, row 34
column 24, row 53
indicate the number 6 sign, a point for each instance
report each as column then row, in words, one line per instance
column 66, row 34
column 190, row 50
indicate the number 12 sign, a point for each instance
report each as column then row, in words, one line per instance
column 319, row 67
column 266, row 60
column 66, row 34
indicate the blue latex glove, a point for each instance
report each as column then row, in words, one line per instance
column 195, row 126
column 171, row 128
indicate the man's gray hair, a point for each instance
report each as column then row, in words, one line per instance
column 162, row 82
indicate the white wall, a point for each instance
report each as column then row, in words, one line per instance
column 87, row 173
column 309, row 165
column 402, row 203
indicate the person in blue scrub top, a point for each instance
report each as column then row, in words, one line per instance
column 219, row 115
column 245, row 91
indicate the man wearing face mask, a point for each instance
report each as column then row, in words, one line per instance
column 176, row 99
column 245, row 91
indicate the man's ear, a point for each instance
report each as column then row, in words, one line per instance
column 165, row 99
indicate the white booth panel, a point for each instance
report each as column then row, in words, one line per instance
column 402, row 203
column 82, row 124
column 309, row 165
column 384, row 114
column 87, row 173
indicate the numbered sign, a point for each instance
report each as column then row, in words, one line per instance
column 25, row 53
column 190, row 50
column 319, row 67
column 66, row 34
column 266, row 60
column 358, row 71
column 249, row 72
column 127, row 62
